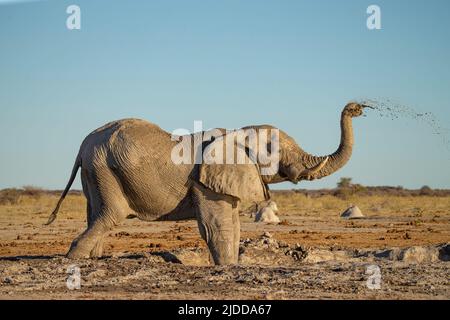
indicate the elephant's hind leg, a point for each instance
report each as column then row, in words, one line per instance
column 106, row 208
column 218, row 225
column 86, row 244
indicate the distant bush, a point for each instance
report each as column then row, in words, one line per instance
column 10, row 196
column 34, row 192
column 344, row 183
column 345, row 189
column 425, row 191
column 359, row 190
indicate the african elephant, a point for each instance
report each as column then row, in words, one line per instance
column 127, row 168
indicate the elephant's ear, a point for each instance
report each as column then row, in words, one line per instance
column 242, row 181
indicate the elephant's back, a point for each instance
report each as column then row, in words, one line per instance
column 125, row 135
column 132, row 128
column 134, row 141
column 139, row 154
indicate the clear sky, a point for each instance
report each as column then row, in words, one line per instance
column 293, row 64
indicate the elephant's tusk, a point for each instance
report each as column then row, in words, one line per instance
column 314, row 170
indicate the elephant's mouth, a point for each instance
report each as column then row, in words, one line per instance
column 311, row 173
column 284, row 177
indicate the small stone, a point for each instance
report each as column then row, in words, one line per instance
column 7, row 280
column 352, row 212
column 267, row 234
column 419, row 255
column 268, row 214
column 282, row 244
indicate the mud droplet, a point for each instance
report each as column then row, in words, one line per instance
column 386, row 108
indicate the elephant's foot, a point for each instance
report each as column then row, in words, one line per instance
column 84, row 251
column 223, row 252
column 77, row 252
column 88, row 245
column 97, row 251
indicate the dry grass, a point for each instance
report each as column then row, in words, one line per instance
column 74, row 206
column 39, row 202
column 392, row 220
column 14, row 196
column 297, row 203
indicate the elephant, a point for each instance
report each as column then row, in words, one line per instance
column 127, row 169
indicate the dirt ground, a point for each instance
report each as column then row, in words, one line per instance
column 312, row 254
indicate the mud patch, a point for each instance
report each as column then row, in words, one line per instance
column 267, row 251
column 188, row 256
column 322, row 273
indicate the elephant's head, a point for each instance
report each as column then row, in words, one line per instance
column 245, row 181
column 297, row 165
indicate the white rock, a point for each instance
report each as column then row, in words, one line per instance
column 352, row 212
column 267, row 234
column 268, row 214
column 419, row 255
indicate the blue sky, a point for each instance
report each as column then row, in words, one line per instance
column 293, row 64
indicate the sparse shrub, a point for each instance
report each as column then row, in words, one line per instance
column 425, row 191
column 343, row 193
column 10, row 196
column 344, row 183
column 33, row 192
column 346, row 189
column 13, row 196
column 343, row 190
column 359, row 189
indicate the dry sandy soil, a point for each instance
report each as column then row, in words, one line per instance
column 312, row 254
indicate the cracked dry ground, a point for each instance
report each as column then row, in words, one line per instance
column 312, row 254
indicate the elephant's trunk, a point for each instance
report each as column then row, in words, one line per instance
column 322, row 166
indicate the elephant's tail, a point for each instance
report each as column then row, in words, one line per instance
column 63, row 195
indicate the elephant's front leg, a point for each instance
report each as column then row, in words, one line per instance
column 218, row 221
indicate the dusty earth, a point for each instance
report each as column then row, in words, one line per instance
column 312, row 254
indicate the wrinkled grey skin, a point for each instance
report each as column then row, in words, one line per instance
column 126, row 169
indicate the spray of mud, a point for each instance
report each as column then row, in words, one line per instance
column 386, row 108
